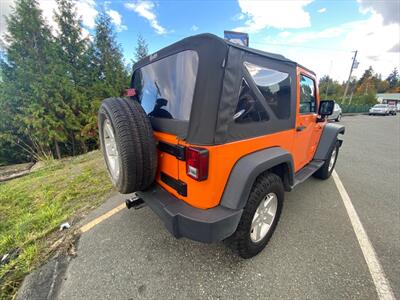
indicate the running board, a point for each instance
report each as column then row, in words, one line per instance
column 307, row 171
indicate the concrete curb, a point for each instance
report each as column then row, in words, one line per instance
column 44, row 282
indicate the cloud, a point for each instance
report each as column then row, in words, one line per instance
column 372, row 37
column 277, row 14
column 116, row 19
column 5, row 10
column 395, row 48
column 238, row 17
column 48, row 7
column 308, row 36
column 87, row 11
column 145, row 9
column 322, row 10
column 389, row 10
column 284, row 34
column 194, row 28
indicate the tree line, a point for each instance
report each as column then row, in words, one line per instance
column 361, row 91
column 52, row 82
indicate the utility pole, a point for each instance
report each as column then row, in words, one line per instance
column 351, row 71
column 352, row 93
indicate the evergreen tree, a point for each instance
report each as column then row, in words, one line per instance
column 30, row 94
column 111, row 72
column 141, row 49
column 73, row 61
column 393, row 79
column 110, row 75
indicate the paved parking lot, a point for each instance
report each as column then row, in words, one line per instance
column 314, row 253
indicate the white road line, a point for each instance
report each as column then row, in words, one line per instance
column 378, row 275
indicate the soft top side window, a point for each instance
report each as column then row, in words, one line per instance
column 307, row 95
column 274, row 86
column 249, row 109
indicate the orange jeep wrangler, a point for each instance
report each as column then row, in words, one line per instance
column 212, row 135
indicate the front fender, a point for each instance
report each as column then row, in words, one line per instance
column 246, row 171
column 328, row 140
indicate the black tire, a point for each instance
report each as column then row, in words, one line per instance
column 137, row 153
column 339, row 117
column 324, row 172
column 240, row 242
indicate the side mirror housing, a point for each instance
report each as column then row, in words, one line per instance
column 326, row 108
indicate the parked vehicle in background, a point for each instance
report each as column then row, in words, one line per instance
column 379, row 109
column 392, row 110
column 212, row 137
column 337, row 113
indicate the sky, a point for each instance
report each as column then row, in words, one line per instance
column 320, row 35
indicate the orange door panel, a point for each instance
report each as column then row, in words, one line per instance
column 308, row 130
column 304, row 132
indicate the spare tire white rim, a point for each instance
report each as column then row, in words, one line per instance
column 110, row 146
column 264, row 217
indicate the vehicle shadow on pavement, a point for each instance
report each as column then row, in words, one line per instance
column 313, row 254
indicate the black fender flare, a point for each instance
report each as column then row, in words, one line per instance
column 248, row 168
column 328, row 140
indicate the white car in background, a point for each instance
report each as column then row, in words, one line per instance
column 337, row 113
column 380, row 109
column 392, row 109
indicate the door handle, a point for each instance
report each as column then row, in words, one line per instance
column 300, row 128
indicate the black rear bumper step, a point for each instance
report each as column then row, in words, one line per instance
column 182, row 220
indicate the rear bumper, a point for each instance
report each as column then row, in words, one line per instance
column 183, row 220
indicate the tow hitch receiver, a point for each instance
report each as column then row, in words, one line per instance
column 135, row 202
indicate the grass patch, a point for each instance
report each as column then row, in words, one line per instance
column 34, row 206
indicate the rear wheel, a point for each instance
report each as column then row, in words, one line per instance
column 327, row 168
column 128, row 145
column 260, row 216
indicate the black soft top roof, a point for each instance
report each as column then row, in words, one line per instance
column 194, row 40
column 216, row 92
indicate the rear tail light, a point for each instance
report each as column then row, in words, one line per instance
column 197, row 163
column 130, row 92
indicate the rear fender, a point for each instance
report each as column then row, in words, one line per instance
column 248, row 168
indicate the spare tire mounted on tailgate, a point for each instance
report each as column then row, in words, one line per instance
column 128, row 144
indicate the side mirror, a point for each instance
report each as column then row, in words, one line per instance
column 326, row 108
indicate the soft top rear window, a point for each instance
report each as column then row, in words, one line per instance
column 165, row 87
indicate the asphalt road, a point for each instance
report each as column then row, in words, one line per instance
column 314, row 253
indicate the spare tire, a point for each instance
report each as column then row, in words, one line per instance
column 128, row 144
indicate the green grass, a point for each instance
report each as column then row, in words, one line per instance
column 34, row 206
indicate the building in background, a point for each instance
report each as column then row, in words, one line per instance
column 389, row 98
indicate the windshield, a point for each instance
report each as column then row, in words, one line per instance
column 380, row 106
column 165, row 88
